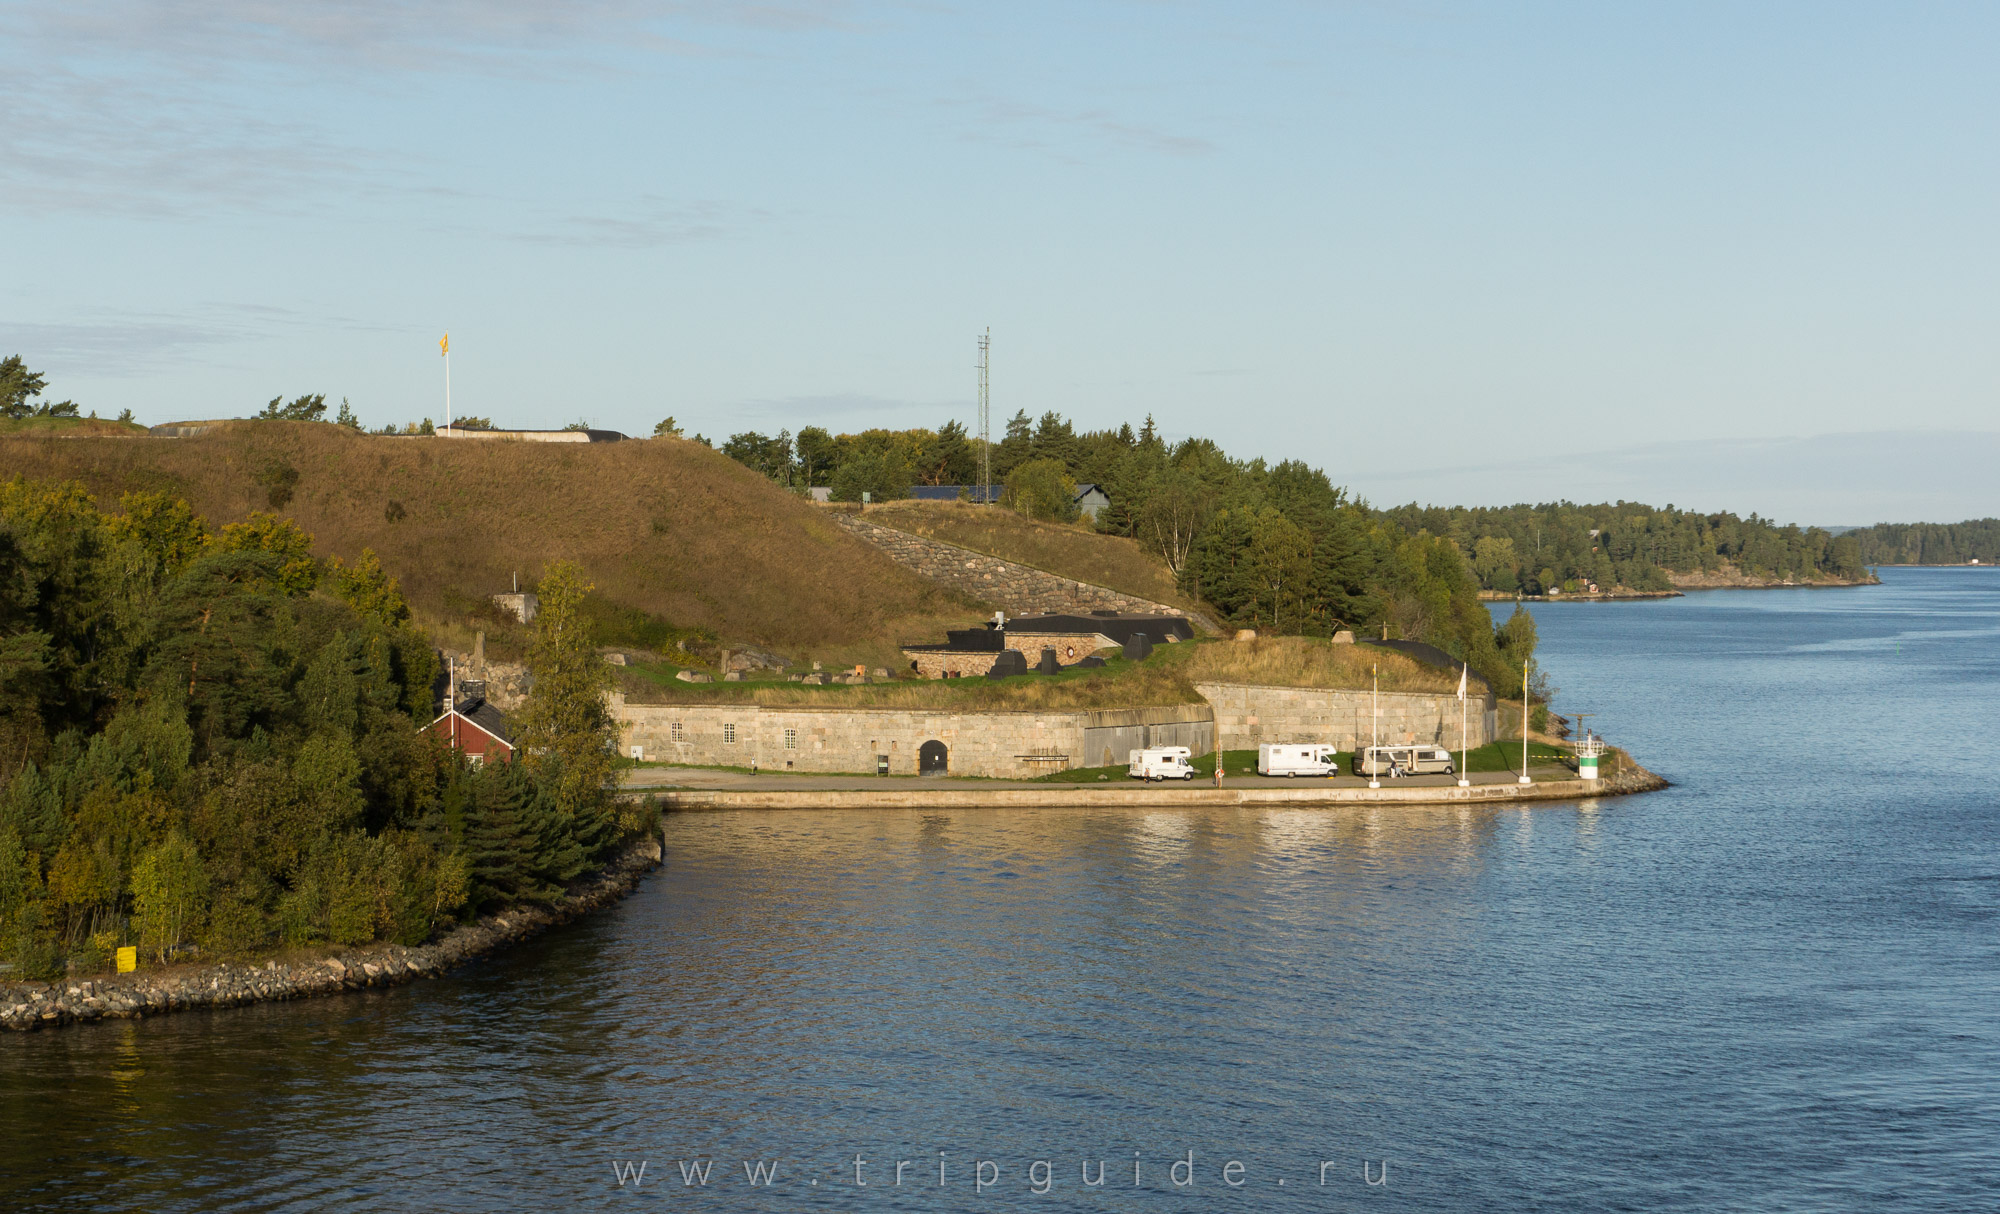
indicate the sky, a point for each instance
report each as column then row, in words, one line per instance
column 1733, row 256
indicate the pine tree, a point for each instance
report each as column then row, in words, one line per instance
column 566, row 729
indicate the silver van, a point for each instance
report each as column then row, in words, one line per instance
column 1403, row 761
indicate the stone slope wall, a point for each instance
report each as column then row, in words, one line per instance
column 1014, row 588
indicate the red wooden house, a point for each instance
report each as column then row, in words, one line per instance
column 477, row 729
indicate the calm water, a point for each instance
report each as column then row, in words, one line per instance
column 1770, row 988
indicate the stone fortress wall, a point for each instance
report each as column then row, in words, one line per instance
column 1008, row 745
column 1249, row 716
column 1021, row 745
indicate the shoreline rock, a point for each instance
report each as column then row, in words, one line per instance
column 27, row 1006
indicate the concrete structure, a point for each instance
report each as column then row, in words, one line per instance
column 1070, row 638
column 1158, row 798
column 521, row 605
column 1248, row 716
column 532, row 436
column 903, row 741
column 1017, row 589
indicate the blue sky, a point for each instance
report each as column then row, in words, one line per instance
column 1565, row 250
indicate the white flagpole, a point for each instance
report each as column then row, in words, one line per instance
column 1464, row 772
column 1524, row 721
column 1374, row 727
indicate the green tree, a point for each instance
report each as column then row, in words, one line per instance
column 297, row 571
column 167, row 528
column 169, row 888
column 368, row 589
column 667, row 428
column 298, row 409
column 566, row 729
column 1041, row 489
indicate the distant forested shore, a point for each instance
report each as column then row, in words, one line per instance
column 1930, row 543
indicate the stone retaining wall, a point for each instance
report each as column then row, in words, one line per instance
column 1005, row 745
column 1014, row 588
column 1248, row 716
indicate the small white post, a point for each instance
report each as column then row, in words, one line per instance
column 1374, row 724
column 1524, row 721
column 1464, row 698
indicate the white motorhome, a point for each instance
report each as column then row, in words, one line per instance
column 1160, row 763
column 1294, row 760
column 1402, row 761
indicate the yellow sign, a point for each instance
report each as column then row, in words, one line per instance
column 444, row 344
column 128, row 959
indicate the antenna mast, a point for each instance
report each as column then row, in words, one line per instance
column 985, row 425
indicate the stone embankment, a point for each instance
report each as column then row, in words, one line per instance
column 1014, row 588
column 34, row 1005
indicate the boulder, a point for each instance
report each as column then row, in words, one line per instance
column 1246, row 634
column 734, row 676
column 689, row 676
column 1343, row 637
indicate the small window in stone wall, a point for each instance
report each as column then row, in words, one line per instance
column 680, row 735
column 791, row 739
column 729, row 733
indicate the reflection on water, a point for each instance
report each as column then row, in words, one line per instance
column 1769, row 988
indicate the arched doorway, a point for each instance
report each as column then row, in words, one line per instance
column 931, row 759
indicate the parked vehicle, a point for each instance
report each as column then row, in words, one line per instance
column 1403, row 761
column 1294, row 760
column 1161, row 763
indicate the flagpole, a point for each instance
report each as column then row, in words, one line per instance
column 1464, row 772
column 1524, row 721
column 1374, row 727
column 445, row 346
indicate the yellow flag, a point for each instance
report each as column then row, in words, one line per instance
column 444, row 344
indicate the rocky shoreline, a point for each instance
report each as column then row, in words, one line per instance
column 26, row 1006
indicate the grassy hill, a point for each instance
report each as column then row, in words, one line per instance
column 1167, row 677
column 668, row 530
column 70, row 427
column 1067, row 550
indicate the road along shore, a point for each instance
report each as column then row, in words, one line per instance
column 25, row 1006
column 1305, row 793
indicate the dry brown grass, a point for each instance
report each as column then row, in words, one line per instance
column 665, row 526
column 1310, row 662
column 1068, row 551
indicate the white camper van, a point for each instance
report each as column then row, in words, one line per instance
column 1160, row 763
column 1403, row 761
column 1297, row 760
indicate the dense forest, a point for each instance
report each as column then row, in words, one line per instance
column 1530, row 549
column 211, row 742
column 1280, row 547
column 1930, row 543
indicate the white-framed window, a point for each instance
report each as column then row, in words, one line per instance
column 680, row 735
column 791, row 739
column 729, row 733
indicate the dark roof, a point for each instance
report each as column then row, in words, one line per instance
column 1118, row 625
column 487, row 717
column 1086, row 488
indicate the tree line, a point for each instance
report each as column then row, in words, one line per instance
column 1929, row 543
column 212, row 741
